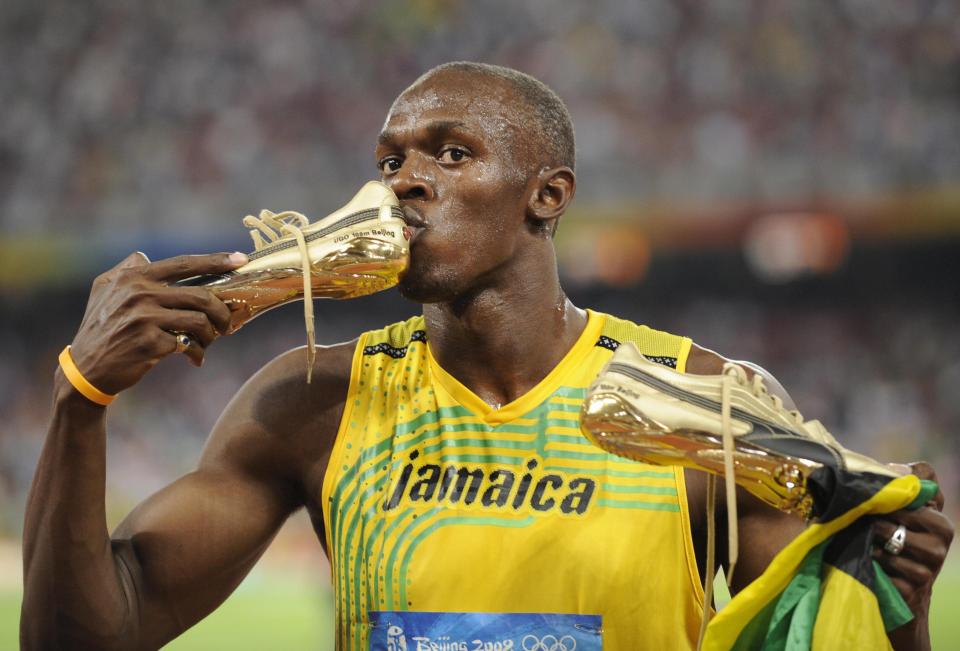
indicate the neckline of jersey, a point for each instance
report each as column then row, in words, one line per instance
column 528, row 401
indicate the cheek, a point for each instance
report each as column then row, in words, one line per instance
column 474, row 222
column 485, row 200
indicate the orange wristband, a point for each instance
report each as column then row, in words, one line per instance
column 80, row 383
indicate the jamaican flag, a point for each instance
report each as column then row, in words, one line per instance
column 824, row 590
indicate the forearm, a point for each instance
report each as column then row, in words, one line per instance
column 75, row 595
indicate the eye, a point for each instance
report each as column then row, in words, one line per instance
column 453, row 154
column 389, row 164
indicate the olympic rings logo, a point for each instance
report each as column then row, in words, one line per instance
column 548, row 643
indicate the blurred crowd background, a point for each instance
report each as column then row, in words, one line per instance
column 779, row 180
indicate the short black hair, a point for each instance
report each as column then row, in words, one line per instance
column 552, row 117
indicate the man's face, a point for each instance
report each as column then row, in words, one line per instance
column 453, row 151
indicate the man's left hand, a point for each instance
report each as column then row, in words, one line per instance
column 928, row 536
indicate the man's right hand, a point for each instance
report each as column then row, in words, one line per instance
column 133, row 314
column 183, row 550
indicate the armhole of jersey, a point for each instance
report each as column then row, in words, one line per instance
column 688, row 552
column 333, row 463
column 685, row 344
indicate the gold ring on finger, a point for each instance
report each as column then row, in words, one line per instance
column 183, row 342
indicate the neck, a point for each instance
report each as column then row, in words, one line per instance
column 502, row 340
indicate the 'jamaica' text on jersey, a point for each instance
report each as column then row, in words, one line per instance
column 499, row 489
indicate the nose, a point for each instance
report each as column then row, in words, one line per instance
column 411, row 181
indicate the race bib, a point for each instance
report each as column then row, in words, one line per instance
column 412, row 631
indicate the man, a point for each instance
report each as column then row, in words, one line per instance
column 438, row 458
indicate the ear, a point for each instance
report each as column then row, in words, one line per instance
column 552, row 194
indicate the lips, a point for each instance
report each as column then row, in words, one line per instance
column 412, row 217
column 414, row 222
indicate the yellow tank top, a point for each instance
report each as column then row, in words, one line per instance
column 435, row 501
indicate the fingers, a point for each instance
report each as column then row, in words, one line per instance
column 195, row 324
column 912, row 571
column 132, row 312
column 913, row 579
column 923, row 519
column 185, row 266
column 162, row 343
column 928, row 537
column 170, row 323
column 920, row 546
column 198, row 300
column 195, row 312
column 924, row 470
column 194, row 351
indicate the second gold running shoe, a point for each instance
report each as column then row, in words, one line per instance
column 727, row 425
column 647, row 412
column 360, row 249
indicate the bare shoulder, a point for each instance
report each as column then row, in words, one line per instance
column 280, row 428
column 703, row 361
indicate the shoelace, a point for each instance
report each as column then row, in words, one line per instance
column 267, row 229
column 733, row 374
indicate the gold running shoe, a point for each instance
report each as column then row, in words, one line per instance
column 360, row 249
column 731, row 426
column 648, row 412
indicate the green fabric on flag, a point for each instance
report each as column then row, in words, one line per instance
column 791, row 627
column 755, row 631
column 893, row 609
column 928, row 489
column 762, row 618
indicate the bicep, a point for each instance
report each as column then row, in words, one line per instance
column 762, row 532
column 188, row 546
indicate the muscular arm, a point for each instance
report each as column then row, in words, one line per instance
column 176, row 556
column 182, row 551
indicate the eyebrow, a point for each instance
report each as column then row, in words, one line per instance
column 432, row 129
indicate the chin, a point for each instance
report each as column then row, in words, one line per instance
column 420, row 292
column 427, row 285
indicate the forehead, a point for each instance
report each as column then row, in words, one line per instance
column 487, row 106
